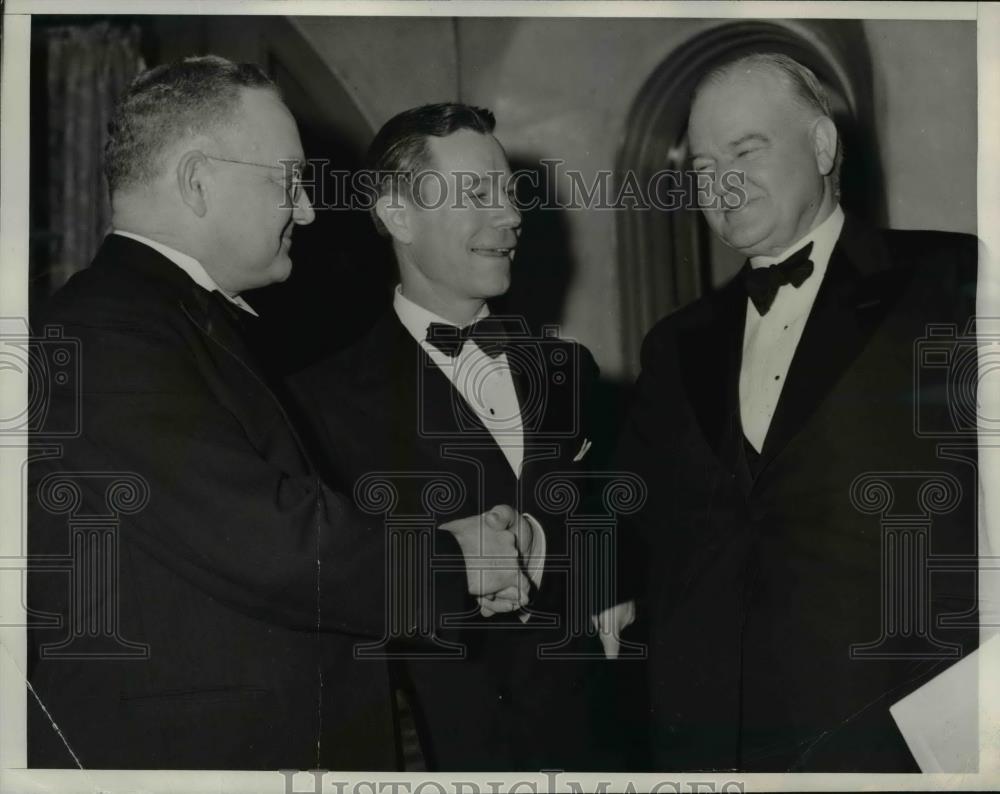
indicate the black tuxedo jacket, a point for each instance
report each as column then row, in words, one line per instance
column 769, row 648
column 219, row 632
column 383, row 406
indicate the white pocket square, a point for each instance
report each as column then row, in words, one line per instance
column 583, row 451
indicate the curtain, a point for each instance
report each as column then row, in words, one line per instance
column 86, row 69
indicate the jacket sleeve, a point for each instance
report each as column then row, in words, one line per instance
column 642, row 447
column 566, row 589
column 347, row 447
column 274, row 544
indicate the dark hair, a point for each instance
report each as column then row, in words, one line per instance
column 167, row 103
column 805, row 88
column 400, row 147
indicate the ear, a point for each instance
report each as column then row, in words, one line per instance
column 825, row 142
column 394, row 212
column 190, row 181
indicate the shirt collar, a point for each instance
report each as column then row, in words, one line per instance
column 191, row 266
column 416, row 319
column 823, row 237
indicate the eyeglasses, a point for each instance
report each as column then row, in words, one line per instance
column 293, row 190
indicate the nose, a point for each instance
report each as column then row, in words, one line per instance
column 716, row 185
column 719, row 189
column 713, row 196
column 508, row 216
column 303, row 213
column 729, row 187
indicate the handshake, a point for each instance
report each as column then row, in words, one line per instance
column 497, row 547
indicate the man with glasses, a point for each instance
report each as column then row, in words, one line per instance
column 219, row 628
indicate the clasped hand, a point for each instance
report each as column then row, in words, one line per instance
column 494, row 545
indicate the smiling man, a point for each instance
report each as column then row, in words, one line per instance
column 217, row 586
column 782, row 626
column 440, row 388
column 456, row 237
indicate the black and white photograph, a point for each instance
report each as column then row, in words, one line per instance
column 499, row 396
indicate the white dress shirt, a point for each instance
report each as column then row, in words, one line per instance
column 191, row 266
column 485, row 383
column 769, row 341
column 487, row 387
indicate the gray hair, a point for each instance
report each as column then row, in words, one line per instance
column 805, row 88
column 167, row 103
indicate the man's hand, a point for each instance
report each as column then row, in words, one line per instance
column 491, row 544
column 611, row 623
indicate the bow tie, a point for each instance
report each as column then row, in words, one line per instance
column 490, row 334
column 762, row 283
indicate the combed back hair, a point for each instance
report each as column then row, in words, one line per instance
column 805, row 88
column 400, row 150
column 168, row 103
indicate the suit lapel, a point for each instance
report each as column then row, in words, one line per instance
column 429, row 414
column 427, row 411
column 523, row 361
column 709, row 354
column 536, row 391
column 211, row 316
column 546, row 372
column 856, row 293
column 548, row 380
column 219, row 324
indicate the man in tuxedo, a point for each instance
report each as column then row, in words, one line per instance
column 790, row 528
column 196, row 590
column 442, row 387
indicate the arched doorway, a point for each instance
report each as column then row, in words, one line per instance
column 669, row 258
